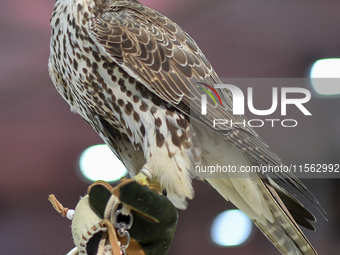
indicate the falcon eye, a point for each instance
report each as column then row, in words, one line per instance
column 165, row 193
column 98, row 162
column 231, row 228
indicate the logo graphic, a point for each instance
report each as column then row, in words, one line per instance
column 204, row 97
column 238, row 99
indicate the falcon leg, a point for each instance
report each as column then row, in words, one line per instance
column 145, row 178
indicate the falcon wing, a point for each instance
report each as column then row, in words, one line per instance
column 167, row 61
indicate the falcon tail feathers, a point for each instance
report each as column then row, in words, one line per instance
column 278, row 226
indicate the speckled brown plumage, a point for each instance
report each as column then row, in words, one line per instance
column 132, row 74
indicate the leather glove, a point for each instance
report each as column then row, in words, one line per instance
column 127, row 219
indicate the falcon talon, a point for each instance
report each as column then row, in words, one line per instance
column 142, row 179
column 156, row 186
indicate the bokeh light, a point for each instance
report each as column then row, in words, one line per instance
column 98, row 162
column 325, row 76
column 231, row 228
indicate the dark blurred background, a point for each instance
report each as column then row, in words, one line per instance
column 41, row 140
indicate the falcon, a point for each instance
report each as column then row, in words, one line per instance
column 136, row 77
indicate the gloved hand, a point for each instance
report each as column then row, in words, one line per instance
column 128, row 218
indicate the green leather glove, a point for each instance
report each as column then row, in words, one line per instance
column 108, row 219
